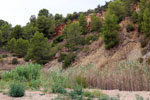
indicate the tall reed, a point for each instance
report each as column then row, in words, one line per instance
column 127, row 76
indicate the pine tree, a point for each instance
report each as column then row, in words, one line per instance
column 143, row 5
column 1, row 38
column 21, row 47
column 43, row 12
column 110, row 38
column 110, row 34
column 17, row 32
column 111, row 21
column 11, row 45
column 39, row 49
column 72, row 33
column 117, row 7
column 6, row 30
column 96, row 23
column 29, row 31
column 129, row 6
column 83, row 23
column 58, row 19
column 134, row 17
column 146, row 22
column 46, row 26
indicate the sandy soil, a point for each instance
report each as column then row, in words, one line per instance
column 36, row 95
column 126, row 95
column 30, row 95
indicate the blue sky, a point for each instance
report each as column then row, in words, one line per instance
column 19, row 11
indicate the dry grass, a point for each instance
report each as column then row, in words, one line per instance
column 126, row 76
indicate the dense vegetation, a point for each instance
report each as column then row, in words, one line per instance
column 125, row 77
column 39, row 42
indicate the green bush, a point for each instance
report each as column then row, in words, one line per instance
column 61, row 97
column 82, row 81
column 34, row 84
column 27, row 58
column 98, row 94
column 4, row 56
column 94, row 94
column 14, row 61
column 130, row 27
column 140, row 98
column 57, row 79
column 91, row 38
column 58, row 82
column 88, row 94
column 105, row 98
column 58, row 39
column 62, row 57
column 58, row 89
column 76, row 94
column 27, row 73
column 16, row 90
column 69, row 59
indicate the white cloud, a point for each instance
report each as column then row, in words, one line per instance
column 19, row 11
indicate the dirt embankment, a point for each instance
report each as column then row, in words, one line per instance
column 128, row 48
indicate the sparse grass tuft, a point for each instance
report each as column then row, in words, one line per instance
column 35, row 84
column 58, row 89
column 140, row 98
column 1, row 60
column 144, row 51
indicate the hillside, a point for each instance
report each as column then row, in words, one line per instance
column 129, row 48
column 101, row 54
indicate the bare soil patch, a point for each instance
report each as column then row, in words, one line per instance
column 30, row 95
column 36, row 95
